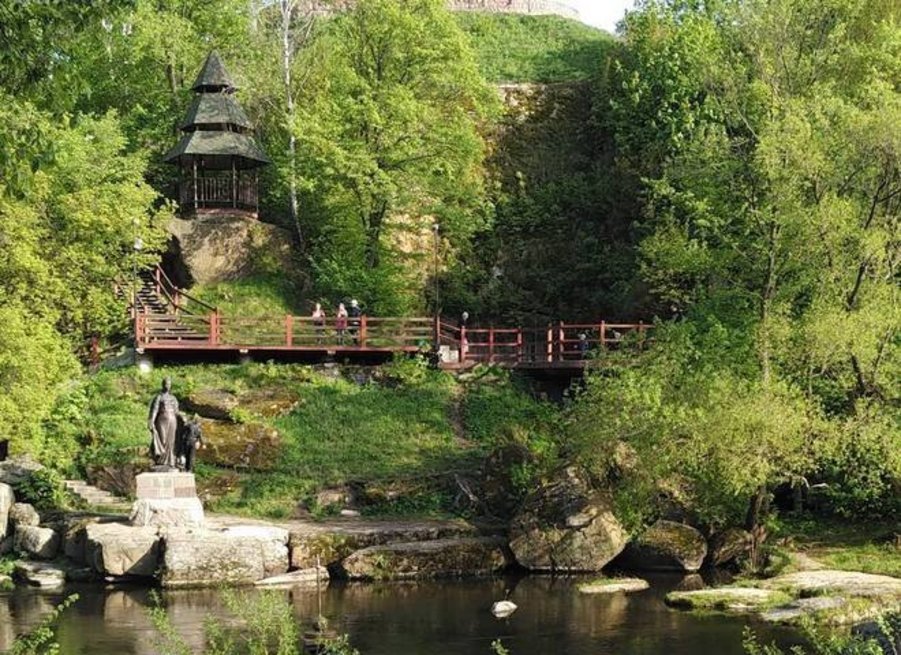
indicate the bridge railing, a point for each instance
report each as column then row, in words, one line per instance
column 557, row 343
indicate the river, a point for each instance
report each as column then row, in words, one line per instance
column 446, row 618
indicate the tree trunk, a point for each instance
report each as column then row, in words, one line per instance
column 766, row 304
column 288, row 8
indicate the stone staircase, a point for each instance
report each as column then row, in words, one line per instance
column 95, row 497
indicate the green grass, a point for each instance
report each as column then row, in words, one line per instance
column 400, row 431
column 259, row 295
column 848, row 546
column 534, row 48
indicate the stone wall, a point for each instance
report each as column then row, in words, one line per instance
column 527, row 7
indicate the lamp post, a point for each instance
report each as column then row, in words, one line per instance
column 436, row 228
column 137, row 246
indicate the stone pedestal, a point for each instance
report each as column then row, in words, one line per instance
column 166, row 499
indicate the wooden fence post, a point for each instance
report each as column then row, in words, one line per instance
column 462, row 344
column 491, row 345
column 550, row 343
column 561, row 338
column 289, row 330
column 214, row 329
column 603, row 335
column 363, row 331
column 518, row 358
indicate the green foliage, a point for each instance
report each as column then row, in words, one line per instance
column 388, row 143
column 44, row 489
column 498, row 648
column 269, row 295
column 42, row 639
column 546, row 49
column 822, row 642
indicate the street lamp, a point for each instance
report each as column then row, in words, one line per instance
column 436, row 228
column 137, row 246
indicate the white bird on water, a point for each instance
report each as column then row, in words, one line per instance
column 503, row 608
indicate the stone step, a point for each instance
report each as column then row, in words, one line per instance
column 94, row 496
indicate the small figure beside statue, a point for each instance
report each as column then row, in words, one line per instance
column 175, row 438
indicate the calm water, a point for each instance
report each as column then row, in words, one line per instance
column 447, row 618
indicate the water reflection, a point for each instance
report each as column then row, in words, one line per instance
column 451, row 618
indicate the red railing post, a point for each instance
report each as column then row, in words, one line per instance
column 602, row 335
column 550, row 343
column 491, row 345
column 289, row 330
column 214, row 329
column 462, row 344
column 157, row 273
column 561, row 339
column 518, row 357
column 363, row 331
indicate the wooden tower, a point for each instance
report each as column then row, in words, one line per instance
column 217, row 154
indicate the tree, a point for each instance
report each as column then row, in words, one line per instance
column 389, row 133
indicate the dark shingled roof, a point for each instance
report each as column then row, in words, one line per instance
column 216, row 109
column 219, row 144
column 213, row 76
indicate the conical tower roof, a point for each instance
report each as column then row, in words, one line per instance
column 213, row 76
column 218, row 133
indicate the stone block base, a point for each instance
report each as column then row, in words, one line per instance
column 161, row 486
column 170, row 512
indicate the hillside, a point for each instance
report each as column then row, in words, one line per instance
column 513, row 48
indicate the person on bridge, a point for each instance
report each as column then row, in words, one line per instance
column 341, row 323
column 319, row 322
column 355, row 313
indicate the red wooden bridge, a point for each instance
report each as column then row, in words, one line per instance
column 171, row 322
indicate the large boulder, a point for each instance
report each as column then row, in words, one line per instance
column 167, row 512
column 7, row 498
column 666, row 546
column 16, row 470
column 23, row 515
column 211, row 403
column 211, row 249
column 566, row 526
column 313, row 543
column 427, row 559
column 729, row 546
column 238, row 555
column 42, row 543
column 119, row 550
column 239, row 445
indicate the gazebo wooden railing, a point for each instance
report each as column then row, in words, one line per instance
column 240, row 192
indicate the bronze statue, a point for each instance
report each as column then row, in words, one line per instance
column 163, row 423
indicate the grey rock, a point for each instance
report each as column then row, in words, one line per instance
column 42, row 543
column 566, row 526
column 837, row 583
column 23, row 514
column 614, row 585
column 666, row 546
column 301, row 577
column 40, row 574
column 167, row 512
column 196, row 557
column 16, row 470
column 118, row 550
column 427, row 559
column 729, row 547
column 802, row 607
column 7, row 498
column 211, row 403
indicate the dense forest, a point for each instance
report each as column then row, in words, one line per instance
column 729, row 169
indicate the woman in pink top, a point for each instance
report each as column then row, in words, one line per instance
column 319, row 322
column 341, row 323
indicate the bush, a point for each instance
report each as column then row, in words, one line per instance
column 44, row 489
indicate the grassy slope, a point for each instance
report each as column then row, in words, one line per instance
column 534, row 48
column 413, row 425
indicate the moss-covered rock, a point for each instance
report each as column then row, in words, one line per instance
column 566, row 526
column 211, row 403
column 613, row 586
column 253, row 445
column 727, row 599
column 427, row 559
column 666, row 546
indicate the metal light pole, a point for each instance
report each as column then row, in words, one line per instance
column 436, row 229
column 137, row 246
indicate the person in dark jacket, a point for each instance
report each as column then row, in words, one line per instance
column 191, row 438
column 354, row 312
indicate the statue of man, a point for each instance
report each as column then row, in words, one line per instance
column 163, row 424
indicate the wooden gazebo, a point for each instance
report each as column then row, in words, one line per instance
column 217, row 154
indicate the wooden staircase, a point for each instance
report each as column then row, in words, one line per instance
column 174, row 314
